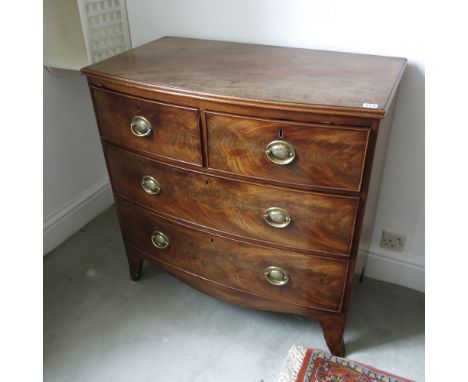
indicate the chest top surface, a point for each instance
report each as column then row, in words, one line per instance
column 266, row 74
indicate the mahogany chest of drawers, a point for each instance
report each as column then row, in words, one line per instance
column 249, row 172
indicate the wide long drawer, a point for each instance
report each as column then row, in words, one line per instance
column 162, row 130
column 290, row 153
column 290, row 219
column 304, row 280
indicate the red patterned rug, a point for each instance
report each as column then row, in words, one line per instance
column 312, row 365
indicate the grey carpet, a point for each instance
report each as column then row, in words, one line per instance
column 100, row 326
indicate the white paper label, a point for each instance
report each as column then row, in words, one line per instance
column 370, row 105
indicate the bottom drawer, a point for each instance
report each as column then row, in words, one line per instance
column 285, row 276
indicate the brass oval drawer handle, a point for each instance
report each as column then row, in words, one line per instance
column 140, row 126
column 280, row 152
column 276, row 276
column 160, row 240
column 150, row 185
column 277, row 217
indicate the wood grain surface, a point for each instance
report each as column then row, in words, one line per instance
column 319, row 222
column 314, row 282
column 326, row 156
column 214, row 107
column 259, row 72
column 176, row 133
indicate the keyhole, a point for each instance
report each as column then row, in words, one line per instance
column 280, row 133
column 138, row 108
column 211, row 240
column 206, row 182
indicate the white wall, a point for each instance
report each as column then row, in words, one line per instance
column 385, row 28
column 76, row 185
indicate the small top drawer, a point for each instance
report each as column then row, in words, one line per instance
column 290, row 153
column 158, row 129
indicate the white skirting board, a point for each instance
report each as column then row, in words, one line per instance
column 67, row 220
column 409, row 273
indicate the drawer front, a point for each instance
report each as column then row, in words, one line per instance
column 174, row 133
column 328, row 157
column 318, row 222
column 313, row 281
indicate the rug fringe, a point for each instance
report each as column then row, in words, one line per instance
column 292, row 364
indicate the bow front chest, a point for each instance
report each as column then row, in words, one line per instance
column 250, row 172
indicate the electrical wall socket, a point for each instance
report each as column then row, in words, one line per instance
column 393, row 241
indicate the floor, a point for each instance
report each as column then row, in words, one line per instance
column 100, row 326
